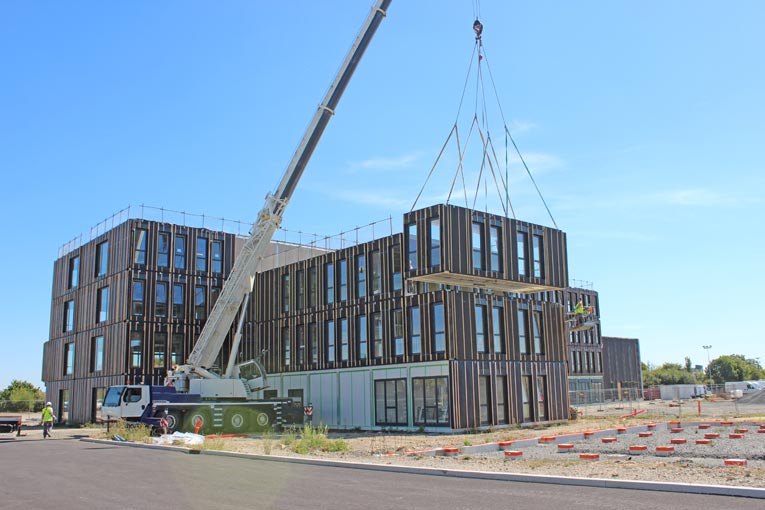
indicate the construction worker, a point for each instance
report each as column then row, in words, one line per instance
column 579, row 308
column 47, row 420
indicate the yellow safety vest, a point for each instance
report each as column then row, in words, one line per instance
column 47, row 414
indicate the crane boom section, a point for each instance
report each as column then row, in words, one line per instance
column 239, row 282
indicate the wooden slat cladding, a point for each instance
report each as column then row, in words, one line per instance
column 586, row 357
column 621, row 363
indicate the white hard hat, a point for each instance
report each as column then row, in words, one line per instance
column 48, row 404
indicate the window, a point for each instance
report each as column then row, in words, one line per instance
column 329, row 338
column 501, row 399
column 523, row 333
column 178, row 305
column 376, row 267
column 163, row 249
column 313, row 342
column 539, row 344
column 102, row 258
column 96, row 353
column 286, row 346
column 136, row 349
column 538, row 264
column 74, row 272
column 102, row 304
column 395, row 257
column 498, row 329
column 361, row 276
column 180, row 252
column 398, row 332
column 216, row 249
column 484, row 399
column 299, row 290
column 526, row 395
column 361, row 335
column 160, row 305
column 329, row 283
column 343, row 280
column 377, row 334
column 541, row 398
column 300, row 334
column 139, row 247
column 160, row 349
column 312, row 284
column 201, row 256
column 69, row 358
column 137, row 298
column 495, row 246
column 439, row 328
column 344, row 339
column 435, row 242
column 430, row 398
column 176, row 356
column 415, row 331
column 480, row 328
column 200, row 305
column 390, row 402
column 285, row 293
column 68, row 316
column 411, row 247
column 522, row 239
column 477, row 244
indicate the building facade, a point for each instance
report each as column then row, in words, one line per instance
column 585, row 350
column 621, row 361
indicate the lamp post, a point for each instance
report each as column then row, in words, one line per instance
column 706, row 348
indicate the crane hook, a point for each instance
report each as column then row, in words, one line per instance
column 477, row 28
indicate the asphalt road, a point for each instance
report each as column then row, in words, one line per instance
column 66, row 474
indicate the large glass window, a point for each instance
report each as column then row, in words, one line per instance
column 68, row 315
column 300, row 334
column 498, row 329
column 313, row 342
column 200, row 303
column 398, row 332
column 477, row 245
column 160, row 307
column 539, row 344
column 69, row 358
column 415, row 330
column 501, row 399
column 411, row 246
column 176, row 356
column 435, row 242
column 439, row 328
column 344, row 339
column 480, row 328
column 430, row 400
column 522, row 239
column 312, row 286
column 96, row 353
column 376, row 267
column 163, row 249
column 216, row 247
column 160, row 349
column 201, row 255
column 102, row 258
column 102, row 304
column 525, row 397
column 329, row 283
column 299, row 290
column 343, row 263
column 179, row 259
column 361, row 276
column 137, row 298
column 495, row 246
column 136, row 349
column 286, row 292
column 523, row 333
column 538, row 264
column 179, row 310
column 377, row 334
column 390, row 402
column 329, row 339
column 74, row 272
column 484, row 399
column 395, row 258
column 361, row 335
column 286, row 347
column 541, row 398
column 139, row 247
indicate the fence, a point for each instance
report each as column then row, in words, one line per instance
column 603, row 396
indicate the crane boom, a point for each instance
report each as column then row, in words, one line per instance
column 240, row 280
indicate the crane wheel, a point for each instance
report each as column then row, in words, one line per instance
column 174, row 420
column 237, row 420
column 193, row 419
column 263, row 420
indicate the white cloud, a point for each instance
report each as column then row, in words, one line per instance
column 402, row 162
column 521, row 126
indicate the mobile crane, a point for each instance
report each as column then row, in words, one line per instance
column 194, row 397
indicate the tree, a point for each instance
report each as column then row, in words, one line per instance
column 734, row 367
column 21, row 396
column 668, row 373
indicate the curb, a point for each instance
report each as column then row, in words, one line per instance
column 176, row 449
column 718, row 490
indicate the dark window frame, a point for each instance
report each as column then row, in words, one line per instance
column 436, row 406
column 391, row 402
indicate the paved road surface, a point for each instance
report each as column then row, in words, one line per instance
column 66, row 474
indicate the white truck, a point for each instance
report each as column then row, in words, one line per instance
column 743, row 386
column 196, row 399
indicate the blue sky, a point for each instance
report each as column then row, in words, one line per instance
column 642, row 123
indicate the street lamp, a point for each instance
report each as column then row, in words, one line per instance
column 706, row 348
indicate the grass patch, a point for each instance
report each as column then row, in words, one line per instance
column 135, row 432
column 315, row 439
